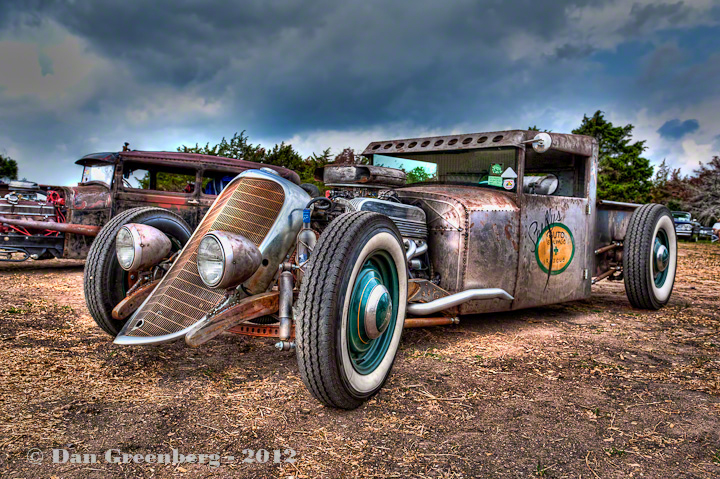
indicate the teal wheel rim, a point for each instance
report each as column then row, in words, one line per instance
column 374, row 300
column 661, row 258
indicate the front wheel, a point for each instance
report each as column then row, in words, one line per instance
column 351, row 309
column 650, row 257
column 105, row 282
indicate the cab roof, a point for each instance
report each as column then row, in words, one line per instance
column 187, row 160
column 577, row 144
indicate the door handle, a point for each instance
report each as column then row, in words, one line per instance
column 193, row 202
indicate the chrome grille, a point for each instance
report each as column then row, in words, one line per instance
column 248, row 207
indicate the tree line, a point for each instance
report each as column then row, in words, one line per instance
column 624, row 174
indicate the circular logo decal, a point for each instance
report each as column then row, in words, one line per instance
column 555, row 247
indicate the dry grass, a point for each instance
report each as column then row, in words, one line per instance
column 586, row 389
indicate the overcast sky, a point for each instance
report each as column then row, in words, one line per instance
column 86, row 75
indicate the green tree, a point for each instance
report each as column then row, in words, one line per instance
column 623, row 175
column 8, row 168
column 280, row 155
column 418, row 175
column 238, row 147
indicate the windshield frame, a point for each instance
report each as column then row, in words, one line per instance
column 497, row 166
column 106, row 178
column 682, row 215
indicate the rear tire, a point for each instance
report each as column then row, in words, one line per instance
column 650, row 257
column 357, row 271
column 105, row 282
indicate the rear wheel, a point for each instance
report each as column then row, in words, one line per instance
column 351, row 309
column 650, row 257
column 105, row 282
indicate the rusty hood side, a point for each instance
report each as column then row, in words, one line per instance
column 473, row 237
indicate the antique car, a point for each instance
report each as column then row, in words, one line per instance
column 494, row 222
column 43, row 222
column 686, row 226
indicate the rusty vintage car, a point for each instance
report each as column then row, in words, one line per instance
column 42, row 221
column 494, row 222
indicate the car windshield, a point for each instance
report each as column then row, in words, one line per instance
column 679, row 215
column 103, row 173
column 494, row 167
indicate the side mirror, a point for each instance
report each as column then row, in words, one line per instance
column 541, row 143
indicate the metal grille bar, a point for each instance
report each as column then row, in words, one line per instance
column 248, row 207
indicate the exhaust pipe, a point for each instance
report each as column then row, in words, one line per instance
column 422, row 309
column 85, row 230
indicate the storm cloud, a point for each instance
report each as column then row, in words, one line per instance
column 676, row 129
column 85, row 76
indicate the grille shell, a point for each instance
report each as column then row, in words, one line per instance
column 249, row 207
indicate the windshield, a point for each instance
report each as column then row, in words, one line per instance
column 494, row 168
column 679, row 215
column 103, row 173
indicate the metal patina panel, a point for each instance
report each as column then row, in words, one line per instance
column 553, row 251
column 473, row 238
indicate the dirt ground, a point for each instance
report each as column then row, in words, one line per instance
column 588, row 389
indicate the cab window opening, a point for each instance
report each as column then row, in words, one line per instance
column 158, row 178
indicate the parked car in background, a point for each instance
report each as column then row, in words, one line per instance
column 686, row 226
column 44, row 222
column 706, row 232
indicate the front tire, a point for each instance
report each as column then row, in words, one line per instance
column 105, row 282
column 650, row 257
column 351, row 309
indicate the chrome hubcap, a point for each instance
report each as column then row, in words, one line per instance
column 662, row 258
column 378, row 312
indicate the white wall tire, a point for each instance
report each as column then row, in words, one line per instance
column 650, row 257
column 341, row 364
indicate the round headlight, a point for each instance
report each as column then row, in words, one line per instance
column 125, row 248
column 210, row 261
column 139, row 247
column 225, row 260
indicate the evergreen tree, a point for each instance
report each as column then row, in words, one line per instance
column 624, row 175
column 8, row 168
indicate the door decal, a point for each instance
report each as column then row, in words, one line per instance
column 555, row 248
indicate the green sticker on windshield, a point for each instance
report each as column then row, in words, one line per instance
column 495, row 181
column 496, row 169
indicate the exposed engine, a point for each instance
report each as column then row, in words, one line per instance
column 370, row 188
column 23, row 202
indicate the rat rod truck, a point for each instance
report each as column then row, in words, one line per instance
column 44, row 222
column 499, row 221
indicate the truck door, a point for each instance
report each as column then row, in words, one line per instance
column 166, row 186
column 556, row 223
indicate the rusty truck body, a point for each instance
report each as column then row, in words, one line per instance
column 428, row 231
column 44, row 221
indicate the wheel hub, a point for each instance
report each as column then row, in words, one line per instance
column 662, row 256
column 373, row 311
column 378, row 312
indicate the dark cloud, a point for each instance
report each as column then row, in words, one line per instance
column 283, row 67
column 676, row 129
column 571, row 51
column 644, row 18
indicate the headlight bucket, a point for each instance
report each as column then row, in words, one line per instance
column 139, row 247
column 225, row 260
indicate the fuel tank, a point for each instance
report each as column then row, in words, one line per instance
column 473, row 239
